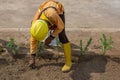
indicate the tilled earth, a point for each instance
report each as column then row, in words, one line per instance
column 92, row 66
column 79, row 14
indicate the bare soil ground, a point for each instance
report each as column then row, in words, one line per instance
column 92, row 66
column 79, row 14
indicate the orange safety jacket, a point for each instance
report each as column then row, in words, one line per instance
column 50, row 11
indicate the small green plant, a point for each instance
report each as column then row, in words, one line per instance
column 12, row 46
column 84, row 49
column 39, row 48
column 106, row 43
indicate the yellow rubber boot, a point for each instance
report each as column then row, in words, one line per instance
column 67, row 53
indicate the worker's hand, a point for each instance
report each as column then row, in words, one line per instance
column 48, row 40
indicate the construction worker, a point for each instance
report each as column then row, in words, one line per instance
column 49, row 16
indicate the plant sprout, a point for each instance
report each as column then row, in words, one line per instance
column 12, row 46
column 40, row 47
column 106, row 43
column 84, row 49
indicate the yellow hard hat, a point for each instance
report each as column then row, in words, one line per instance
column 39, row 29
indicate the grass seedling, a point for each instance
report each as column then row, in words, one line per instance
column 81, row 48
column 40, row 47
column 84, row 49
column 106, row 43
column 12, row 46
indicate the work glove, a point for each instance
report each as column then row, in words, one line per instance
column 48, row 40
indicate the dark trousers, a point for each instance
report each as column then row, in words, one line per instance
column 62, row 36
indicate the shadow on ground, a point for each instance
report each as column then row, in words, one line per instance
column 86, row 66
column 90, row 64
